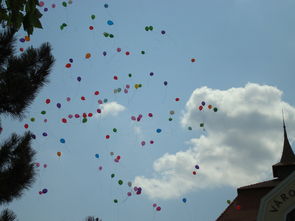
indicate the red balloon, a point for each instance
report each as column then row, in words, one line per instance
column 90, row 114
column 47, row 101
column 107, row 136
column 118, row 49
column 193, row 60
column 177, row 99
column 118, row 157
column 21, row 49
column 84, row 115
column 194, row 172
column 64, row 120
column 158, row 208
column 83, row 98
column 91, row 27
column 68, row 65
column 77, row 115
column 26, row 126
column 200, row 108
column 96, row 92
column 98, row 110
column 115, row 77
column 127, row 53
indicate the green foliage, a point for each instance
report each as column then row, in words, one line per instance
column 17, row 13
column 7, row 215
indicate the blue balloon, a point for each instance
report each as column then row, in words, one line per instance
column 197, row 167
column 158, row 130
column 97, row 155
column 106, row 5
column 62, row 140
column 109, row 22
column 184, row 200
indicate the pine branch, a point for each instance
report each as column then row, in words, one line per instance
column 22, row 77
column 7, row 215
column 17, row 170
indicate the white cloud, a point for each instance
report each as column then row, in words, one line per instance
column 242, row 140
column 111, row 108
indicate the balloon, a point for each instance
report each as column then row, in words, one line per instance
column 115, row 201
column 129, row 183
column 142, row 52
column 112, row 175
column 118, row 49
column 104, row 53
column 129, row 75
column 127, row 53
column 26, row 126
column 64, row 120
column 184, row 200
column 47, row 101
column 118, row 157
column 97, row 155
column 45, row 9
column 27, row 38
column 68, row 65
column 107, row 136
column 201, row 124
column 91, row 27
column 45, row 134
column 215, row 109
column 203, row 103
column 146, row 28
column 62, row 140
column 120, row 182
column 84, row 120
column 58, row 154
column 53, row 5
column 22, row 40
column 197, row 167
column 106, row 34
column 194, row 173
column 165, row 83
column 77, row 115
column 21, row 49
column 41, row 4
column 151, row 28
column 37, row 164
column 115, row 77
column 58, row 105
column 70, row 116
column 45, row 165
column 109, row 22
column 99, row 101
column 200, row 108
column 189, row 128
column 43, row 112
column 96, row 93
column 64, row 4
column 170, row 119
column 45, row 120
column 68, row 99
column 158, row 208
column 105, row 100
column 238, row 207
column 133, row 118
column 90, row 114
column 172, row 112
column 106, row 5
column 177, row 99
column 154, row 204
column 193, row 60
column 92, row 17
column 129, row 194
column 33, row 136
column 209, row 106
column 100, row 167
column 115, row 130
column 163, row 32
column 87, row 55
column 83, row 98
column 158, row 130
column 135, row 188
column 142, row 143
column 98, row 110
column 151, row 142
column 44, row 191
column 228, row 201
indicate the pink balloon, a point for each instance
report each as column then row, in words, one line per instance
column 142, row 143
column 45, row 165
column 154, row 204
column 125, row 91
column 37, row 164
column 100, row 101
column 133, row 118
column 158, row 208
column 150, row 114
column 41, row 4
column 68, row 99
column 127, row 86
column 70, row 116
column 129, row 194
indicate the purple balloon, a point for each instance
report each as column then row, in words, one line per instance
column 71, row 60
column 44, row 191
column 58, row 105
column 79, row 78
column 163, row 32
column 152, row 73
column 22, row 40
column 44, row 134
column 45, row 9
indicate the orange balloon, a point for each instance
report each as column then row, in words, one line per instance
column 88, row 55
column 27, row 38
column 58, row 154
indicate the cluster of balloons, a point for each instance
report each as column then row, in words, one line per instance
column 108, row 35
column 138, row 118
column 203, row 103
column 38, row 165
column 117, row 159
column 156, row 207
column 137, row 190
column 149, row 28
column 196, row 167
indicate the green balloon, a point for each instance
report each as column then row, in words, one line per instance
column 92, row 17
column 201, row 124
column 106, row 34
column 228, row 201
column 32, row 119
column 43, row 112
column 105, row 100
column 115, row 130
column 130, row 75
column 115, row 201
column 119, row 89
column 139, row 85
column 64, row 4
column 190, row 128
column 84, row 120
column 111, row 35
column 120, row 182
column 112, row 175
column 170, row 119
column 142, row 52
column 151, row 28
column 215, row 109
column 147, row 28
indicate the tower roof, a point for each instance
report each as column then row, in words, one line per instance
column 288, row 154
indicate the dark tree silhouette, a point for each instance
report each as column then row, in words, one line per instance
column 21, row 77
column 7, row 215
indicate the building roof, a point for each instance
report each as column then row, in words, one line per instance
column 288, row 156
column 266, row 184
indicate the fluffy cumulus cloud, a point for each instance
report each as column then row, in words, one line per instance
column 110, row 109
column 240, row 142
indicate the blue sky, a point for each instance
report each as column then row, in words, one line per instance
column 244, row 51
